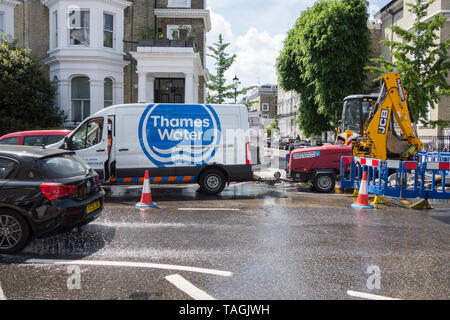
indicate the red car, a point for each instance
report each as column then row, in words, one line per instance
column 34, row 138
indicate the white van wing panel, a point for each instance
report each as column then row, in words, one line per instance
column 161, row 135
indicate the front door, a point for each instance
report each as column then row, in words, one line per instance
column 169, row 90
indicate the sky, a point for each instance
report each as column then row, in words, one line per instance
column 255, row 30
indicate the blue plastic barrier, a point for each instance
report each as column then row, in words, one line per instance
column 392, row 167
column 374, row 169
column 440, row 169
column 348, row 172
column 410, row 168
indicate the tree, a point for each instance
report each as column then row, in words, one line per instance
column 26, row 94
column 323, row 59
column 422, row 61
column 218, row 90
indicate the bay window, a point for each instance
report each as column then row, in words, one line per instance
column 79, row 27
column 108, row 30
column 108, row 90
column 81, row 95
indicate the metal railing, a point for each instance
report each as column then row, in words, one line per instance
column 436, row 143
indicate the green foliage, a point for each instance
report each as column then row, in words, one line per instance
column 422, row 61
column 26, row 94
column 218, row 90
column 145, row 33
column 309, row 120
column 323, row 59
column 273, row 126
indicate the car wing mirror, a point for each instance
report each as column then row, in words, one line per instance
column 67, row 143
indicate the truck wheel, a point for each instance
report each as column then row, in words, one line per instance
column 14, row 232
column 324, row 183
column 212, row 182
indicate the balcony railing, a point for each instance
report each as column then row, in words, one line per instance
column 167, row 43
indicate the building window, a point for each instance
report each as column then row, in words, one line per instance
column 178, row 32
column 108, row 92
column 55, row 21
column 108, row 30
column 79, row 27
column 81, row 95
column 2, row 22
column 179, row 4
column 265, row 107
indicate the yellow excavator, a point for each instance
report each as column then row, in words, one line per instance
column 380, row 126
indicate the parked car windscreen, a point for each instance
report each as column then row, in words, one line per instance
column 63, row 166
column 12, row 140
column 54, row 139
column 33, row 140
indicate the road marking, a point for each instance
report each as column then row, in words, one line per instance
column 368, row 295
column 2, row 295
column 188, row 288
column 207, row 209
column 131, row 264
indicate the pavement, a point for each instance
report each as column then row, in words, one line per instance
column 254, row 241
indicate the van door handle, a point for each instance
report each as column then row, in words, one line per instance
column 101, row 150
column 122, row 150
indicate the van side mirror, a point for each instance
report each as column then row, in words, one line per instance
column 67, row 143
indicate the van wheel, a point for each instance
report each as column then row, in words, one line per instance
column 324, row 183
column 14, row 232
column 212, row 182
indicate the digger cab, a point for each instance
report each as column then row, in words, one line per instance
column 355, row 111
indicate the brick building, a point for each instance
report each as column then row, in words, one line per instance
column 264, row 100
column 107, row 52
column 397, row 12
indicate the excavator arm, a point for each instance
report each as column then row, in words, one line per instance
column 380, row 140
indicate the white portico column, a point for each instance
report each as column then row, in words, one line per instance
column 64, row 99
column 189, row 88
column 142, row 87
column 97, row 95
column 150, row 89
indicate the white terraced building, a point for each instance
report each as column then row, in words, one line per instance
column 107, row 52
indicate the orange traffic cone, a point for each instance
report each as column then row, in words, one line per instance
column 146, row 198
column 363, row 197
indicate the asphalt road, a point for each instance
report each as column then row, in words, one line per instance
column 252, row 242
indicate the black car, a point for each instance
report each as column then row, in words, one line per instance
column 285, row 142
column 299, row 145
column 44, row 192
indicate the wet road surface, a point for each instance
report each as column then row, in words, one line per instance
column 254, row 241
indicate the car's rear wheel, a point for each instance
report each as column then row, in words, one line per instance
column 324, row 183
column 213, row 181
column 14, row 232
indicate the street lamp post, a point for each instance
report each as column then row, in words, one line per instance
column 235, row 84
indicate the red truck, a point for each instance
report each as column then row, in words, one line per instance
column 318, row 165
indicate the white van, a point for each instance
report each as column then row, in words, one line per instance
column 177, row 143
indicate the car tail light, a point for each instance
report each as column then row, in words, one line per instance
column 97, row 180
column 248, row 154
column 57, row 190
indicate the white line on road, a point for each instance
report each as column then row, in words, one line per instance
column 131, row 264
column 368, row 296
column 188, row 288
column 2, row 295
column 207, row 209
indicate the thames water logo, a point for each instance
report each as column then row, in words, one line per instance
column 179, row 134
